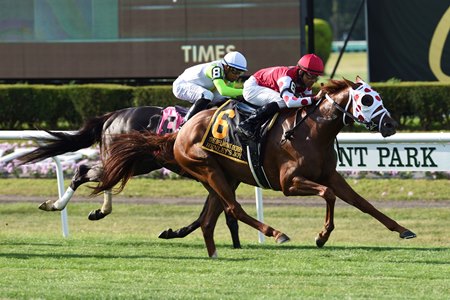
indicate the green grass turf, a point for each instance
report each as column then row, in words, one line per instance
column 121, row 258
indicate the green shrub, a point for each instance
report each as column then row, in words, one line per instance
column 96, row 99
column 31, row 106
column 156, row 96
column 54, row 107
column 323, row 38
column 17, row 106
column 416, row 105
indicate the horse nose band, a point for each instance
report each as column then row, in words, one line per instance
column 383, row 111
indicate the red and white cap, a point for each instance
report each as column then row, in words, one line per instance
column 311, row 63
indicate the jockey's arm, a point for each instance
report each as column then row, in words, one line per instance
column 287, row 93
column 226, row 90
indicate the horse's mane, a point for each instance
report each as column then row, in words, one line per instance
column 334, row 86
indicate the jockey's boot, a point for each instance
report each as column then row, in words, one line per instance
column 199, row 105
column 248, row 129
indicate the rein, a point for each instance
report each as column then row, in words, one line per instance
column 370, row 125
column 289, row 134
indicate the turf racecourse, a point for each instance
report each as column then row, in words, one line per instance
column 120, row 257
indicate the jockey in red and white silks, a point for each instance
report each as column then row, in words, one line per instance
column 277, row 84
column 279, row 87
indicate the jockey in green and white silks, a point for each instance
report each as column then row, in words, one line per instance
column 210, row 82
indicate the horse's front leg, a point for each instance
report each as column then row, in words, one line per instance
column 80, row 177
column 347, row 194
column 299, row 186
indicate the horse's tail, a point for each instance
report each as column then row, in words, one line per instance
column 62, row 142
column 128, row 151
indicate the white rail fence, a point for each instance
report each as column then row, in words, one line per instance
column 32, row 134
column 357, row 152
column 38, row 135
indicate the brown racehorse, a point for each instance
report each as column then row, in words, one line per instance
column 101, row 130
column 300, row 159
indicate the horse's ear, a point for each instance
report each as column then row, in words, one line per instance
column 348, row 82
column 351, row 84
column 359, row 79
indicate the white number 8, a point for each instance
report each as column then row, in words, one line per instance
column 216, row 73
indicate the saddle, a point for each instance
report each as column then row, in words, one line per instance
column 221, row 138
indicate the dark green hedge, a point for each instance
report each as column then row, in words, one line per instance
column 422, row 106
column 91, row 100
column 27, row 106
column 323, row 38
column 157, row 96
column 417, row 106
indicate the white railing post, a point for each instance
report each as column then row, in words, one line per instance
column 60, row 179
column 39, row 134
column 259, row 211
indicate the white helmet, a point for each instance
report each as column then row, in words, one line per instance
column 236, row 60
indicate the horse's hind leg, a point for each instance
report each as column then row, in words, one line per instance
column 217, row 182
column 207, row 220
column 233, row 226
column 80, row 177
column 98, row 214
column 184, row 231
column 105, row 210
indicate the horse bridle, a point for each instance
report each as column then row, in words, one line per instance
column 370, row 125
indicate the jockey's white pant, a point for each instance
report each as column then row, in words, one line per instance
column 191, row 92
column 260, row 95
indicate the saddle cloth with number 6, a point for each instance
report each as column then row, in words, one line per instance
column 221, row 137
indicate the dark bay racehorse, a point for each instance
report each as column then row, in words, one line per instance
column 101, row 130
column 300, row 159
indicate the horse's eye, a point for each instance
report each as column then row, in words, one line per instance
column 367, row 100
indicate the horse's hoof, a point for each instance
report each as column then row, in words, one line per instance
column 408, row 234
column 282, row 238
column 43, row 206
column 214, row 255
column 96, row 215
column 320, row 242
column 166, row 234
column 47, row 206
